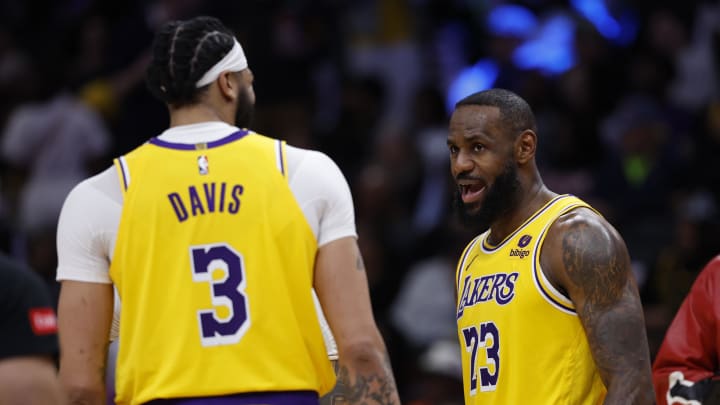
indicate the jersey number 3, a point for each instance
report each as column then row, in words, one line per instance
column 488, row 339
column 222, row 267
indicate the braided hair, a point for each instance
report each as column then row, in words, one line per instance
column 182, row 52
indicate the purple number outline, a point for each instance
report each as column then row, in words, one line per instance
column 471, row 346
column 489, row 381
column 227, row 291
column 474, row 341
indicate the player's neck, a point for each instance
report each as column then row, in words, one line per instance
column 529, row 200
column 196, row 114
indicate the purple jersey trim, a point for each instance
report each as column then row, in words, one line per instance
column 123, row 169
column 265, row 398
column 537, row 270
column 547, row 295
column 280, row 157
column 191, row 146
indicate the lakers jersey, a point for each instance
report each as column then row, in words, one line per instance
column 521, row 340
column 214, row 266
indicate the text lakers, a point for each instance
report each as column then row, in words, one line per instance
column 499, row 287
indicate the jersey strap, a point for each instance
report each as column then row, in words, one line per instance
column 280, row 157
column 546, row 289
column 123, row 171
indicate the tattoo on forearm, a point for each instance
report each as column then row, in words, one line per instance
column 365, row 389
column 611, row 313
column 337, row 395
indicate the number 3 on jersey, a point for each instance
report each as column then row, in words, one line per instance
column 228, row 321
column 488, row 339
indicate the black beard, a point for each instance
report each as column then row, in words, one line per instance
column 245, row 110
column 500, row 198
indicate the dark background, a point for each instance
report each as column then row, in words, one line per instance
column 627, row 99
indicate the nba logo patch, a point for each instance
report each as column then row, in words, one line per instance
column 524, row 241
column 203, row 164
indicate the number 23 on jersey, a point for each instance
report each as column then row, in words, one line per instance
column 483, row 338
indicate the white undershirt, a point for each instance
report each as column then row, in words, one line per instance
column 89, row 219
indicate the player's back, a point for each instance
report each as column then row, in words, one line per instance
column 214, row 266
column 523, row 341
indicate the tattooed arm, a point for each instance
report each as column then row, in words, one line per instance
column 337, row 395
column 364, row 372
column 587, row 259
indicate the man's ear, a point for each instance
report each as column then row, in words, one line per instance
column 525, row 146
column 228, row 84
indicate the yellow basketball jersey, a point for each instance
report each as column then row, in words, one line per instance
column 214, row 266
column 521, row 340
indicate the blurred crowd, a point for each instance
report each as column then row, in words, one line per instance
column 627, row 100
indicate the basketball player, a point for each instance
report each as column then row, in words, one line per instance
column 214, row 237
column 547, row 311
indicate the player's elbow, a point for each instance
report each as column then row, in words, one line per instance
column 80, row 390
column 363, row 354
column 83, row 393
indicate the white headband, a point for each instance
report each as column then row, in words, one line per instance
column 234, row 61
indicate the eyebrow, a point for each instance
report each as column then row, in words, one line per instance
column 483, row 137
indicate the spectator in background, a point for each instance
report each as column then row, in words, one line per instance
column 382, row 42
column 428, row 128
column 688, row 359
column 353, row 139
column 635, row 177
column 53, row 143
column 28, row 339
column 694, row 243
column 696, row 83
column 439, row 377
column 422, row 316
column 424, row 309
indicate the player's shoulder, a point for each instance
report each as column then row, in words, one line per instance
column 312, row 154
column 297, row 156
column 582, row 223
column 581, row 237
column 579, row 216
column 311, row 161
column 99, row 188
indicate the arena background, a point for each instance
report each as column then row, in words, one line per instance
column 627, row 97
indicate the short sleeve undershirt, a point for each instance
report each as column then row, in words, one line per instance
column 91, row 213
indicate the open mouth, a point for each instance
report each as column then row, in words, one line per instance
column 471, row 192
